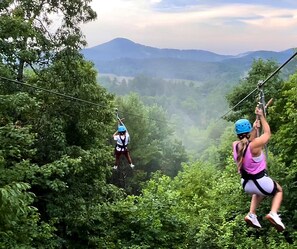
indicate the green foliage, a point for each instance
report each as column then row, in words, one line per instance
column 20, row 223
column 283, row 144
column 54, row 156
column 283, row 115
column 202, row 207
column 15, row 145
column 72, row 123
column 28, row 36
column 60, row 148
column 259, row 72
column 72, row 149
column 152, row 220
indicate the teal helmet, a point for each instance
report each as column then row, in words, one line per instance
column 243, row 126
column 121, row 128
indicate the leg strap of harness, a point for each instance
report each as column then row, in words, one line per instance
column 260, row 188
column 244, row 183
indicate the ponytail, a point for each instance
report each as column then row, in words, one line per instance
column 241, row 149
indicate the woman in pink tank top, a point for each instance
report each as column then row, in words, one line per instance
column 251, row 163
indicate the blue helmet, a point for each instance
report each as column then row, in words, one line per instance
column 242, row 126
column 121, row 128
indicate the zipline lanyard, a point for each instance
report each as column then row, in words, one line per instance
column 118, row 118
column 262, row 103
column 263, row 106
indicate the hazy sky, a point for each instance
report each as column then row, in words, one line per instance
column 220, row 26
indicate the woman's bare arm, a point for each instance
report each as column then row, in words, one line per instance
column 258, row 143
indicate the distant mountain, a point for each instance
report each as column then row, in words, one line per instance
column 121, row 48
column 123, row 57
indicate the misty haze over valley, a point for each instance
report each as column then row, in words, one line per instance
column 190, row 85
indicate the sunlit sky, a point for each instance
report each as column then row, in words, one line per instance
column 220, row 26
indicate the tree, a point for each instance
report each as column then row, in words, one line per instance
column 283, row 145
column 72, row 148
column 57, row 147
column 29, row 37
column 259, row 71
column 20, row 223
column 283, row 115
column 60, row 147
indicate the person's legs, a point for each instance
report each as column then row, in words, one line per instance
column 127, row 155
column 117, row 159
column 273, row 217
column 256, row 199
column 277, row 199
column 251, row 217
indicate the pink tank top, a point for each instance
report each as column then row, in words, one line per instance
column 252, row 165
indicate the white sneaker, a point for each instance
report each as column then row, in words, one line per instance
column 275, row 220
column 115, row 167
column 251, row 219
column 132, row 166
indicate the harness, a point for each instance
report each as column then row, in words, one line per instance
column 122, row 146
column 247, row 177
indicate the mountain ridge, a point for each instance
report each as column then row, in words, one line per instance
column 124, row 57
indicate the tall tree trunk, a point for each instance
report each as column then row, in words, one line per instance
column 20, row 75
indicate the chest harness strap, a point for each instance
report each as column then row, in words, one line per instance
column 122, row 146
column 246, row 177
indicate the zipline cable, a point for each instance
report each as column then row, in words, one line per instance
column 70, row 97
column 278, row 69
column 260, row 84
column 232, row 108
column 52, row 92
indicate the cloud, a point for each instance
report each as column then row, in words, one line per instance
column 170, row 5
column 219, row 26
